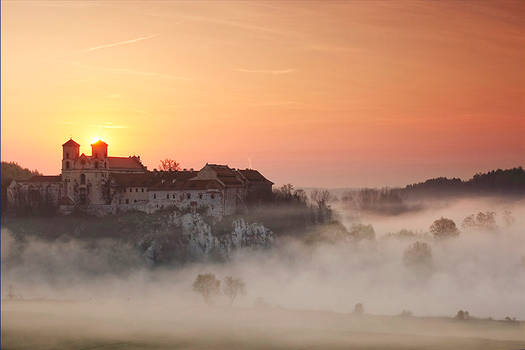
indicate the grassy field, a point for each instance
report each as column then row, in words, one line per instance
column 158, row 325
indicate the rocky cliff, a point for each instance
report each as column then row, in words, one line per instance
column 190, row 237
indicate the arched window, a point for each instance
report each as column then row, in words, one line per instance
column 82, row 179
column 96, row 165
column 67, row 165
column 67, row 155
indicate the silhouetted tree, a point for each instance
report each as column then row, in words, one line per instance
column 169, row 165
column 233, row 287
column 444, row 228
column 359, row 309
column 207, row 285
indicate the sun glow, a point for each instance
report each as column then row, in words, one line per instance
column 95, row 139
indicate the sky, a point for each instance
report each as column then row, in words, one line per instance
column 317, row 94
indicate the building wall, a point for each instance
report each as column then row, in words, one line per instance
column 93, row 189
column 211, row 199
column 26, row 195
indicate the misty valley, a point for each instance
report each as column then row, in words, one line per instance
column 431, row 265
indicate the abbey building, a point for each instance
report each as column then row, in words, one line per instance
column 101, row 184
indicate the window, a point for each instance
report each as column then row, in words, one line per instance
column 200, row 195
column 167, row 195
column 67, row 165
column 213, row 196
column 142, row 190
column 136, row 189
column 173, row 196
column 155, row 196
column 67, row 155
column 82, row 179
column 127, row 201
column 135, row 201
column 131, row 190
column 188, row 195
column 96, row 165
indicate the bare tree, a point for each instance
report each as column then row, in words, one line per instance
column 320, row 197
column 169, row 165
column 207, row 285
column 233, row 287
column 444, row 228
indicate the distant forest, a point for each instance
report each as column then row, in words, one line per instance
column 392, row 201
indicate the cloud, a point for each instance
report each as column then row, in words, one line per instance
column 117, row 70
column 120, row 43
column 266, row 71
column 109, row 125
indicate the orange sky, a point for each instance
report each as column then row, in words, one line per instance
column 325, row 93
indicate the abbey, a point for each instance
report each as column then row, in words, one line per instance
column 101, row 184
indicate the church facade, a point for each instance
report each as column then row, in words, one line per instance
column 102, row 184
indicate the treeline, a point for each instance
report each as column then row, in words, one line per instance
column 508, row 181
column 393, row 201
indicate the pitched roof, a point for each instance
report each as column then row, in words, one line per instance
column 134, row 180
column 71, row 143
column 201, row 185
column 253, row 175
column 226, row 174
column 125, row 163
column 45, row 178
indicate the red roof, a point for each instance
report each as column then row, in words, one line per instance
column 253, row 175
column 124, row 163
column 45, row 178
column 134, row 180
column 226, row 174
column 71, row 143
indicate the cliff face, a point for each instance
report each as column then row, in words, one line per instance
column 194, row 239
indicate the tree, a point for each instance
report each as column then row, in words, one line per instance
column 320, row 197
column 484, row 221
column 362, row 231
column 169, row 165
column 418, row 254
column 233, row 287
column 207, row 285
column 444, row 228
column 359, row 309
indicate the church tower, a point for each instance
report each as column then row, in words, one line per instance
column 70, row 153
column 99, row 150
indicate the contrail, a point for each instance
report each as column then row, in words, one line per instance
column 119, row 43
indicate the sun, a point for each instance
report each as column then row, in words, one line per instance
column 95, row 139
